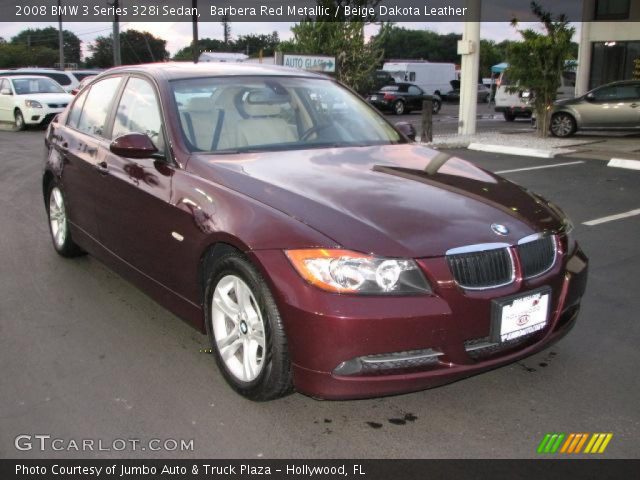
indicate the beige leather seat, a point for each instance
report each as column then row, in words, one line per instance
column 199, row 118
column 264, row 127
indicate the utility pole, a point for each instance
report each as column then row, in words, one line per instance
column 60, row 37
column 469, row 48
column 116, row 34
column 194, row 20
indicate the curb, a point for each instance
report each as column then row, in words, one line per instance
column 521, row 151
column 624, row 163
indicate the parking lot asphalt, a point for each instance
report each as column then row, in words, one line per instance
column 85, row 355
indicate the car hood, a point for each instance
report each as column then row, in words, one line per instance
column 46, row 98
column 380, row 199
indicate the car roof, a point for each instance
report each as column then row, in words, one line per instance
column 183, row 70
column 22, row 77
column 40, row 70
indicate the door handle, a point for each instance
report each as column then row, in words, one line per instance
column 103, row 168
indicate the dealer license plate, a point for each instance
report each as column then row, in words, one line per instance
column 522, row 315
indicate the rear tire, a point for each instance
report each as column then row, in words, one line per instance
column 398, row 107
column 245, row 330
column 562, row 125
column 19, row 123
column 436, row 107
column 58, row 222
column 508, row 116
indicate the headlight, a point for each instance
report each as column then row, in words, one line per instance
column 345, row 271
column 32, row 104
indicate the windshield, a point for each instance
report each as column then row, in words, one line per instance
column 239, row 114
column 25, row 86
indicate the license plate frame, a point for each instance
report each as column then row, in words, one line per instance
column 497, row 308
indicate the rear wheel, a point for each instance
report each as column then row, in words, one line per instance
column 508, row 116
column 245, row 330
column 59, row 224
column 563, row 125
column 398, row 107
column 19, row 120
column 437, row 105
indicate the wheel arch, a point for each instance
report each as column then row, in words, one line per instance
column 572, row 113
column 211, row 254
column 47, row 179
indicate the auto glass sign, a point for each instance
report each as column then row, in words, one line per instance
column 314, row 63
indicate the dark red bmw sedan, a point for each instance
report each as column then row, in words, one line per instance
column 318, row 247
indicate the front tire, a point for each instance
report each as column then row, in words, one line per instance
column 20, row 124
column 563, row 125
column 59, row 224
column 246, row 331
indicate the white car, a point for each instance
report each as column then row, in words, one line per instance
column 31, row 100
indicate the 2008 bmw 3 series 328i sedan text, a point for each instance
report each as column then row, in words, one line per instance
column 318, row 247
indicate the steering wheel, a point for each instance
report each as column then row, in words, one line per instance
column 315, row 129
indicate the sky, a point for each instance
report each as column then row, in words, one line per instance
column 178, row 34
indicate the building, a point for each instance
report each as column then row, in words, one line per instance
column 609, row 42
column 222, row 57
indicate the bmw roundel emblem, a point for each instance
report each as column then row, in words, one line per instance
column 499, row 229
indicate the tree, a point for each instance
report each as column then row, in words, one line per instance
column 48, row 37
column 356, row 59
column 536, row 63
column 403, row 43
column 14, row 56
column 252, row 44
column 204, row 44
column 135, row 47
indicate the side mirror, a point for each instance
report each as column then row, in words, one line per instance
column 5, row 91
column 590, row 97
column 133, row 145
column 407, row 130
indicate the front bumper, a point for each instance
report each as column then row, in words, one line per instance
column 40, row 116
column 326, row 330
column 515, row 110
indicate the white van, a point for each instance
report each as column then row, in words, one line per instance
column 516, row 104
column 433, row 78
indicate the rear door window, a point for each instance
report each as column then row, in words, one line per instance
column 97, row 106
column 76, row 110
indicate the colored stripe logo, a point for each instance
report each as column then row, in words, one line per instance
column 574, row 443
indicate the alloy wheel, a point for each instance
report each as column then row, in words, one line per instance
column 562, row 125
column 19, row 119
column 57, row 217
column 399, row 107
column 238, row 328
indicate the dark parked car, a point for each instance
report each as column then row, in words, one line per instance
column 317, row 246
column 401, row 98
column 484, row 94
column 615, row 106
